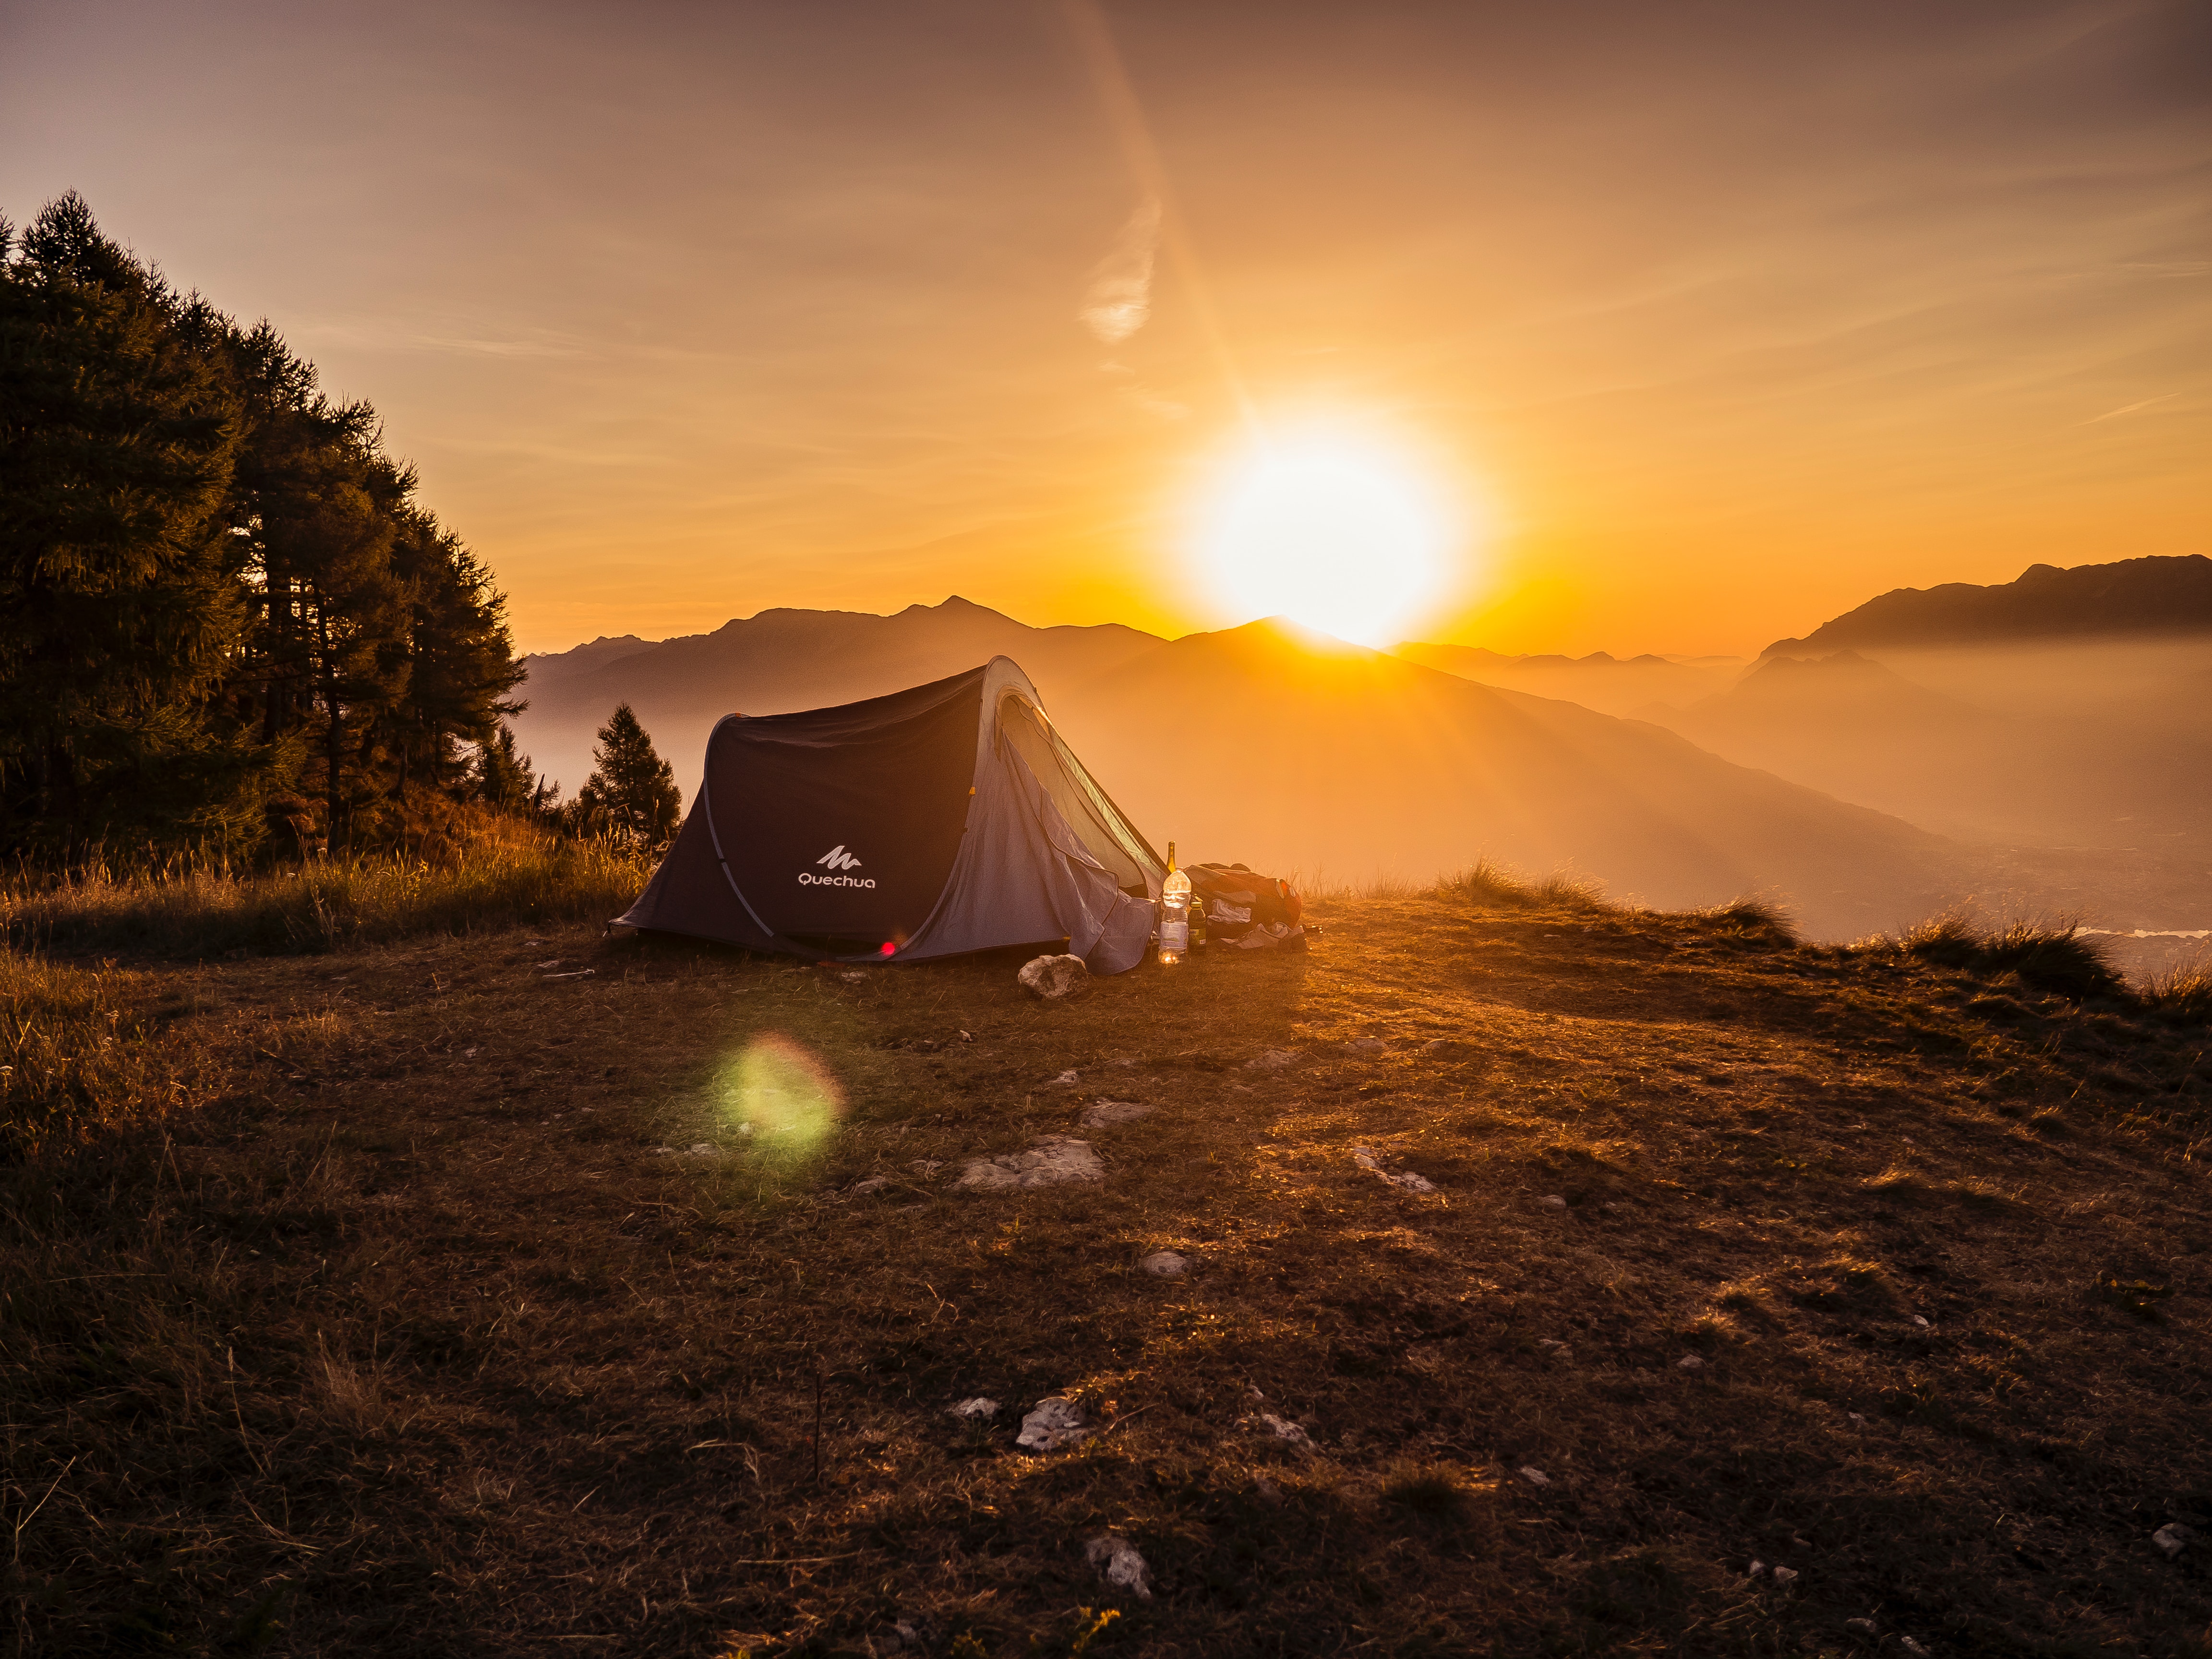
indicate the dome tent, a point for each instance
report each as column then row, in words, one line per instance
column 946, row 818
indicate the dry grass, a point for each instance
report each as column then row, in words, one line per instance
column 2046, row 956
column 190, row 909
column 410, row 1337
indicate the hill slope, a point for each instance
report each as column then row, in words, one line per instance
column 1599, row 681
column 419, row 1336
column 1287, row 748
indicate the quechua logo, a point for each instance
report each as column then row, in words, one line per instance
column 836, row 859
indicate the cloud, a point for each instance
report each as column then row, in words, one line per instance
column 1120, row 298
column 2129, row 409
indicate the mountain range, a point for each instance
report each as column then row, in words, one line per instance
column 1864, row 786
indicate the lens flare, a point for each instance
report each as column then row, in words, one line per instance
column 778, row 1094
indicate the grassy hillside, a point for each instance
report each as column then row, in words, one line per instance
column 420, row 1298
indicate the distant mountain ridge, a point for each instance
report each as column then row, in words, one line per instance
column 2157, row 595
column 1290, row 750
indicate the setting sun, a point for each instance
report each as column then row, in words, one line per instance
column 1338, row 535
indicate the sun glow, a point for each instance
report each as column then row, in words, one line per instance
column 1338, row 535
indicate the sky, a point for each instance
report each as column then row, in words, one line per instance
column 1691, row 325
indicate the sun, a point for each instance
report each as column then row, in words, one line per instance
column 1340, row 535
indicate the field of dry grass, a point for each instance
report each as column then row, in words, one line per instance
column 453, row 1308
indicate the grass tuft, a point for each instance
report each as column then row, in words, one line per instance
column 2055, row 956
column 2182, row 994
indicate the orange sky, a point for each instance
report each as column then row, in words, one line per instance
column 1730, row 317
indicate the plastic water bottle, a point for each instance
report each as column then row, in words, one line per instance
column 1175, row 913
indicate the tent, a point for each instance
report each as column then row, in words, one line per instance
column 945, row 818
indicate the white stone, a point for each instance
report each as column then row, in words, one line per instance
column 1056, row 979
column 1118, row 1560
column 1053, row 1424
column 1910, row 1646
column 1405, row 1180
column 1534, row 1477
column 1785, row 1576
column 1284, row 1430
column 1367, row 1045
column 872, row 1184
column 1689, row 1362
column 1066, row 1078
column 1052, row 1160
column 1102, row 1114
column 1272, row 1059
column 1757, row 1568
column 1552, row 1201
column 2173, row 1538
column 976, row 1410
column 1165, row 1264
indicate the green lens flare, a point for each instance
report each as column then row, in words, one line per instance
column 780, row 1098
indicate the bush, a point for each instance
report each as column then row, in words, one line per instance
column 2183, row 993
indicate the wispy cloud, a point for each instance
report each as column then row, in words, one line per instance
column 1120, row 299
column 2129, row 409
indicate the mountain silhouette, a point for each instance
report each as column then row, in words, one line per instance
column 1285, row 748
column 785, row 659
column 2134, row 596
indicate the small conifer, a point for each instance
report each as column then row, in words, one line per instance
column 632, row 791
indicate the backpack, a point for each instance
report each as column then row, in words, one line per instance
column 1247, row 908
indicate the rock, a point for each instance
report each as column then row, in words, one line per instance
column 704, row 1149
column 872, row 1184
column 1165, row 1264
column 1448, row 1048
column 1055, row 979
column 919, row 1634
column 978, row 1410
column 1558, row 1349
column 1534, row 1477
column 1552, row 1201
column 1910, row 1646
column 925, row 1167
column 1118, row 1560
column 1405, row 1180
column 1066, row 1078
column 1923, row 1323
column 1054, row 1423
column 1367, row 1045
column 2173, row 1538
column 1755, row 1570
column 1863, row 1627
column 1102, row 1114
column 1272, row 1059
column 1053, row 1159
column 1287, row 1432
column 1689, row 1362
column 1785, row 1577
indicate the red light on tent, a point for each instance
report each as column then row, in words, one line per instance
column 889, row 945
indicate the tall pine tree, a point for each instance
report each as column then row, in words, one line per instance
column 120, row 604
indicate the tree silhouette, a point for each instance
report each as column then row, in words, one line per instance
column 632, row 791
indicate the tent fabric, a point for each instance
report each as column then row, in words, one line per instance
column 945, row 818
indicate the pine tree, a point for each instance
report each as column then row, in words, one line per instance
column 120, row 604
column 632, row 791
column 506, row 778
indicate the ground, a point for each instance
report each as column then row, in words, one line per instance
column 456, row 1310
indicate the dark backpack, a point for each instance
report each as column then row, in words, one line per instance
column 1238, row 899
